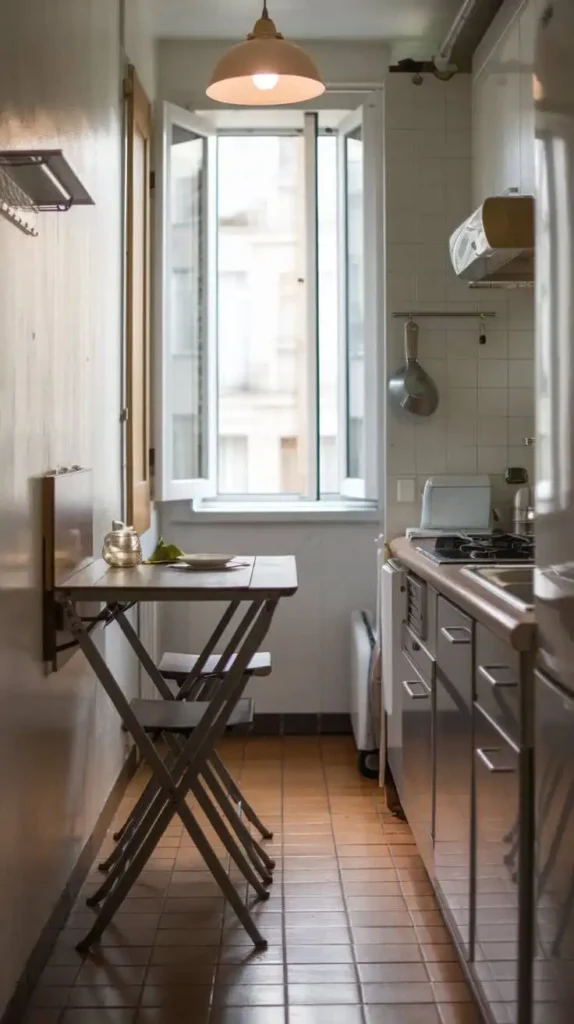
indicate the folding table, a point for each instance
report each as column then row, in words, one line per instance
column 251, row 594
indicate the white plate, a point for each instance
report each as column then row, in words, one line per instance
column 206, row 562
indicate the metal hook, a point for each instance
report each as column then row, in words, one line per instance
column 482, row 329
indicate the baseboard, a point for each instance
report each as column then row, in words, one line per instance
column 16, row 1008
column 302, row 725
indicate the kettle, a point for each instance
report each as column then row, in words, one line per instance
column 122, row 546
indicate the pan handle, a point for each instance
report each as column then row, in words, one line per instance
column 411, row 340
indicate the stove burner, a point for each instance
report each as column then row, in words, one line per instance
column 496, row 547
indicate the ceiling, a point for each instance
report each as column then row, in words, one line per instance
column 308, row 19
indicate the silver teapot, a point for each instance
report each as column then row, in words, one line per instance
column 122, row 546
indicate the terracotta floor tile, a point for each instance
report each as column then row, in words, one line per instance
column 402, row 1014
column 451, row 992
column 193, row 998
column 249, row 995
column 372, row 889
column 444, row 970
column 397, row 992
column 247, row 1015
column 312, row 935
column 351, row 914
column 324, row 994
column 104, row 995
column 394, row 972
column 249, row 974
column 436, row 951
column 325, row 1015
column 42, row 1016
column 319, row 954
column 313, row 903
column 321, row 974
column 91, row 1015
column 376, row 918
column 59, row 975
column 459, row 1013
column 50, row 996
column 115, row 975
column 374, row 953
column 188, row 937
column 249, row 955
column 384, row 935
column 181, row 974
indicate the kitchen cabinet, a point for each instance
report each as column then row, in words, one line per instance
column 497, row 850
column 554, row 861
column 502, row 104
column 417, row 721
column 498, row 681
column 453, row 765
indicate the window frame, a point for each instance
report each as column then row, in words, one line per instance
column 361, row 493
column 369, row 116
column 205, row 485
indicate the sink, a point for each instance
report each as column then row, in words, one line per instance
column 514, row 583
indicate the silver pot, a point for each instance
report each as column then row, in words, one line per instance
column 122, row 546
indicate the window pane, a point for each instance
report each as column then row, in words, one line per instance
column 328, row 305
column 262, row 345
column 233, row 465
column 186, row 285
column 355, row 304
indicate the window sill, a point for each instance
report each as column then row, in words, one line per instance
column 278, row 512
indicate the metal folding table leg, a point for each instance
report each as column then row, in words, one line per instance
column 257, row 853
column 236, row 794
column 185, row 693
column 253, row 628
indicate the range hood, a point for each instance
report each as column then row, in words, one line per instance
column 495, row 246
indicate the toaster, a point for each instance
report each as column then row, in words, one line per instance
column 454, row 503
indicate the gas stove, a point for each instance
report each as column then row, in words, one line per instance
column 503, row 548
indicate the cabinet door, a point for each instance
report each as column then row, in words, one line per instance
column 453, row 764
column 496, row 869
column 554, row 860
column 417, row 762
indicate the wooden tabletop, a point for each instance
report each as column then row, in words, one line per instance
column 264, row 576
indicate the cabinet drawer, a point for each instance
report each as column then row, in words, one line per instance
column 418, row 656
column 497, row 681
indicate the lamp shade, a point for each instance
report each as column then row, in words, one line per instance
column 265, row 70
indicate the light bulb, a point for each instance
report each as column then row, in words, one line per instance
column 265, row 82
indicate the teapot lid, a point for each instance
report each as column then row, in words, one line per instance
column 118, row 525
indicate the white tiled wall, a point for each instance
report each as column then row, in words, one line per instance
column 486, row 391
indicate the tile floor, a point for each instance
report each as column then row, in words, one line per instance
column 354, row 933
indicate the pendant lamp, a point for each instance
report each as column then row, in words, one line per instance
column 265, row 70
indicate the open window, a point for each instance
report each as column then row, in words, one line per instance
column 360, row 168
column 266, row 369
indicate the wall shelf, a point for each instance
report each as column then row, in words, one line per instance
column 37, row 181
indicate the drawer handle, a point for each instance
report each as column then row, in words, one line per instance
column 450, row 634
column 483, row 753
column 415, row 696
column 487, row 672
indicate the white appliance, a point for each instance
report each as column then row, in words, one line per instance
column 365, row 719
column 454, row 503
column 393, row 603
column 554, row 524
column 496, row 244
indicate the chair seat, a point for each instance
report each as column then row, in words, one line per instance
column 178, row 666
column 184, row 717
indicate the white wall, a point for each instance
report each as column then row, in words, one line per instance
column 61, row 747
column 309, row 638
column 486, row 392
